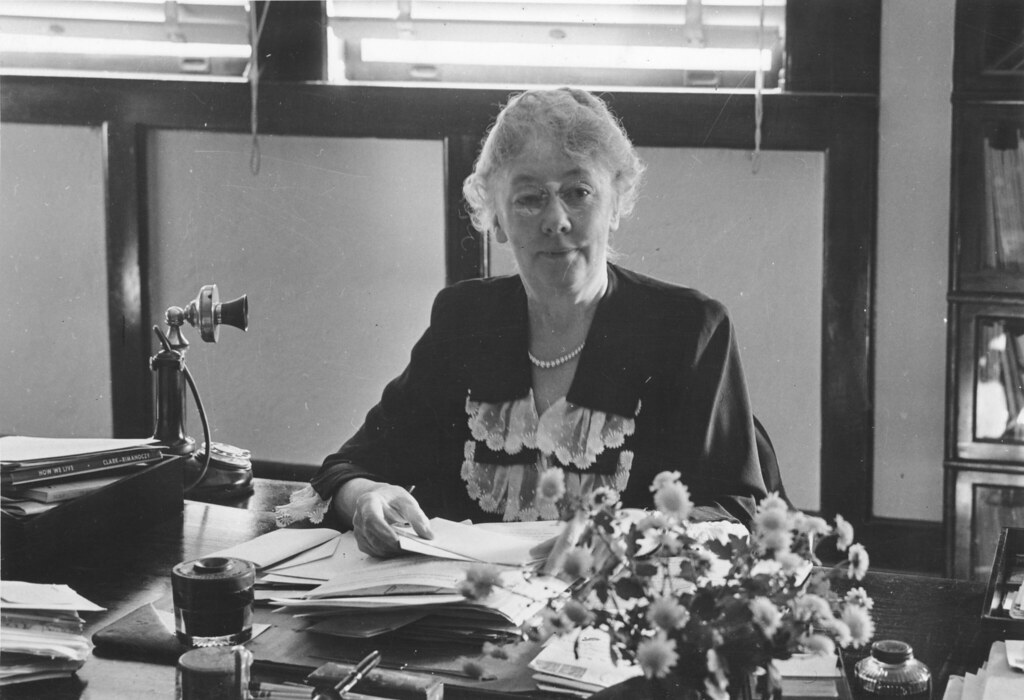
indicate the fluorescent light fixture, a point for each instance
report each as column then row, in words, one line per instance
column 20, row 43
column 562, row 56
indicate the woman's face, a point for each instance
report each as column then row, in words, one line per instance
column 556, row 213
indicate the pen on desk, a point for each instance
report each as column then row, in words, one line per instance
column 280, row 691
column 368, row 663
column 272, row 694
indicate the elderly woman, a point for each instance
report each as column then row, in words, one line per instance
column 574, row 363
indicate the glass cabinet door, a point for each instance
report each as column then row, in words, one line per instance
column 999, row 393
column 990, row 372
column 984, row 503
column 990, row 213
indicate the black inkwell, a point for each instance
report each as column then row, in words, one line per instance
column 213, row 600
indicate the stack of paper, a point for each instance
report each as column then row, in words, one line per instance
column 999, row 678
column 37, row 474
column 42, row 632
column 321, row 576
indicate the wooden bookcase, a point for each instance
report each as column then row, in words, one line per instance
column 984, row 452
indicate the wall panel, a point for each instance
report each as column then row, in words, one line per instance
column 55, row 371
column 339, row 244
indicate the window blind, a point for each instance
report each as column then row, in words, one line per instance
column 202, row 37
column 646, row 44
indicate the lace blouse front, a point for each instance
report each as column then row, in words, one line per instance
column 565, row 434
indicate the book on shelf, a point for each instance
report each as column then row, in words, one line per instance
column 30, row 460
column 1004, row 234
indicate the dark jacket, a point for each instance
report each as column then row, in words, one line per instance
column 669, row 350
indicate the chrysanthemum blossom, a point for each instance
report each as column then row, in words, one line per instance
column 663, row 479
column 651, row 521
column 774, row 540
column 480, row 580
column 858, row 596
column 790, row 562
column 839, row 629
column 673, row 500
column 551, row 485
column 578, row 562
column 773, row 501
column 814, row 526
column 810, row 607
column 862, row 627
column 603, row 496
column 771, row 520
column 818, row 644
column 668, row 614
column 765, row 615
column 858, row 561
column 844, row 533
column 657, row 656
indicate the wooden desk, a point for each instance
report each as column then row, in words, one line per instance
column 124, row 578
column 940, row 618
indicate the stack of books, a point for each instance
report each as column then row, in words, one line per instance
column 41, row 633
column 37, row 473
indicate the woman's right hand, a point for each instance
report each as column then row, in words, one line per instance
column 373, row 507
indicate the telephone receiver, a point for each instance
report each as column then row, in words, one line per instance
column 215, row 471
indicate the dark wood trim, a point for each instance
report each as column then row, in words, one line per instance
column 833, row 46
column 293, row 45
column 127, row 289
column 466, row 249
column 904, row 545
column 983, row 25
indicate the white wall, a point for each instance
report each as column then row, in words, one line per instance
column 913, row 253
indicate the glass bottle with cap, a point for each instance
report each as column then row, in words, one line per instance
column 213, row 601
column 892, row 670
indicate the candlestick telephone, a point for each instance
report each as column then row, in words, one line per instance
column 213, row 471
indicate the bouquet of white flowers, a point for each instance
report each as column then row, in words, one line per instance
column 710, row 611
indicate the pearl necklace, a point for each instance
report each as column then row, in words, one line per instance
column 550, row 364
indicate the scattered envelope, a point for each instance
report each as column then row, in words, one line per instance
column 278, row 545
column 322, row 551
column 19, row 595
column 466, row 543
